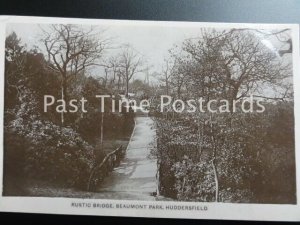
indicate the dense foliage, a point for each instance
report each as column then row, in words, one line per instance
column 37, row 144
column 231, row 156
column 255, row 157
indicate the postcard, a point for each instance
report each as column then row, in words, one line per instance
column 149, row 118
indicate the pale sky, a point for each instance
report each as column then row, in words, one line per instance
column 152, row 42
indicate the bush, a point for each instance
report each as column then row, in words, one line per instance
column 254, row 157
column 50, row 152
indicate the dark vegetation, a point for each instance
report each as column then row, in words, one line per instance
column 40, row 146
column 231, row 156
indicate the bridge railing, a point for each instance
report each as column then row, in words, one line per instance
column 100, row 171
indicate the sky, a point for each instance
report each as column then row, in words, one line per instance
column 152, row 42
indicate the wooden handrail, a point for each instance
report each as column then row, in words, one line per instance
column 104, row 161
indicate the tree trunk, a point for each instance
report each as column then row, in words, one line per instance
column 213, row 161
column 127, row 87
column 167, row 86
column 101, row 135
column 64, row 97
column 62, row 114
column 216, row 180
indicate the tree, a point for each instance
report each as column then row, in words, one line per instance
column 232, row 64
column 130, row 64
column 71, row 49
column 112, row 68
column 167, row 71
column 282, row 36
column 15, row 59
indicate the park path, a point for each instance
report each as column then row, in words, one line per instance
column 135, row 178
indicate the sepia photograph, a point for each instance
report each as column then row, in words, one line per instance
column 157, row 111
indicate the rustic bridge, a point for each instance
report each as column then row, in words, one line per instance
column 103, row 169
column 134, row 177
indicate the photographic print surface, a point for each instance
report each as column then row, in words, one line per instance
column 107, row 116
